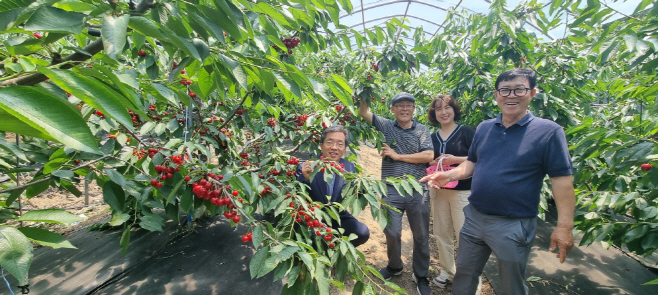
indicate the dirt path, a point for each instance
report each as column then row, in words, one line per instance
column 375, row 248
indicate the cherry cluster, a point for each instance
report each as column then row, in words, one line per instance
column 265, row 191
column 139, row 153
column 186, row 82
column 304, row 218
column 156, row 116
column 226, row 132
column 100, row 114
column 115, row 136
column 300, row 120
column 152, row 152
column 289, row 42
column 347, row 118
column 293, row 161
column 271, row 122
column 135, row 119
column 340, row 167
column 248, row 237
column 166, row 172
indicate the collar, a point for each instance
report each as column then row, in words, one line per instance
column 524, row 121
column 413, row 124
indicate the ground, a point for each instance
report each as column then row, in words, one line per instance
column 374, row 249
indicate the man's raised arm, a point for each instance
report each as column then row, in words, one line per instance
column 364, row 111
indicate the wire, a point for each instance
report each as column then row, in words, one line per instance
column 3, row 276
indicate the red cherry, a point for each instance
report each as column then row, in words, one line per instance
column 182, row 72
column 318, row 233
column 239, row 112
column 331, row 245
column 376, row 67
column 245, row 239
column 187, row 178
column 316, row 223
column 236, row 218
column 141, row 53
column 154, row 182
column 192, row 94
column 37, row 35
column 646, row 167
column 159, row 185
column 235, row 193
column 339, row 108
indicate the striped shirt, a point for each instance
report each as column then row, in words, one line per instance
column 412, row 140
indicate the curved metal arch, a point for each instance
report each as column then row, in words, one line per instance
column 400, row 1
column 395, row 15
column 383, row 27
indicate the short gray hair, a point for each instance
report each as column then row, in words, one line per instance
column 336, row 128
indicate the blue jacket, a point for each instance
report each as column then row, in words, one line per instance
column 320, row 188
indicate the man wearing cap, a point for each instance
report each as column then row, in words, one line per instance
column 409, row 147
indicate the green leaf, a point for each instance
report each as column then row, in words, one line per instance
column 236, row 69
column 223, row 17
column 125, row 240
column 258, row 261
column 187, row 201
column 115, row 176
column 46, row 238
column 91, row 92
column 167, row 93
column 119, row 219
column 288, row 84
column 13, row 124
column 12, row 148
column 174, row 192
column 322, row 277
column 114, row 196
column 63, row 123
column 146, row 27
column 358, row 289
column 60, row 216
column 151, row 221
column 15, row 253
column 52, row 19
column 257, row 235
column 113, row 33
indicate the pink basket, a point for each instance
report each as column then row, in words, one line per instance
column 432, row 169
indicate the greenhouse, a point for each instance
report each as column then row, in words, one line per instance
column 275, row 147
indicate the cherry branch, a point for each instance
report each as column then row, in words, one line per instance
column 73, row 59
column 51, row 177
column 235, row 110
column 246, row 145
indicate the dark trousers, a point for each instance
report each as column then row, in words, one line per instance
column 510, row 239
column 353, row 226
column 418, row 214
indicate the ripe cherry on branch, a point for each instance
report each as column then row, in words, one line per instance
column 141, row 53
column 646, row 167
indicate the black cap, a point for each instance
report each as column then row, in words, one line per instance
column 402, row 96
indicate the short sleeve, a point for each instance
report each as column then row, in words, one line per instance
column 377, row 122
column 472, row 151
column 557, row 161
column 425, row 138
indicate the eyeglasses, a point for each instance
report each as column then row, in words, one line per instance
column 404, row 107
column 339, row 144
column 517, row 91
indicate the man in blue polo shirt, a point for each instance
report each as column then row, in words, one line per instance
column 509, row 158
